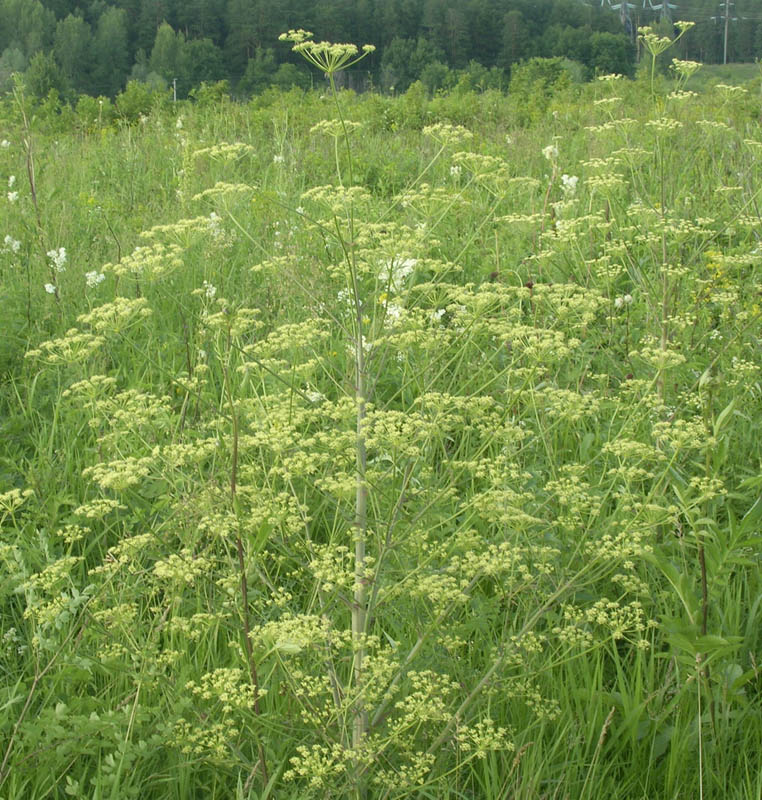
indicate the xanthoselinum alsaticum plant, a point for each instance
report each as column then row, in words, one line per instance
column 545, row 480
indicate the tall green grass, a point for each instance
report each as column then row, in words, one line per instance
column 513, row 352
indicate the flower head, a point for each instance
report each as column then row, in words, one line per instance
column 58, row 258
column 569, row 183
column 92, row 279
column 550, row 152
column 326, row 56
column 11, row 245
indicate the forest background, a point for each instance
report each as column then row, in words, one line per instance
column 96, row 47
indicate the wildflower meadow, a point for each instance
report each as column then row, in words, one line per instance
column 358, row 446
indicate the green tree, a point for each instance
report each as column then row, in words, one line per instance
column 516, row 39
column 404, row 60
column 202, row 19
column 26, row 24
column 11, row 61
column 612, row 53
column 533, row 84
column 169, row 58
column 72, row 47
column 397, row 19
column 573, row 43
column 484, row 30
column 110, row 50
column 259, row 72
column 42, row 75
column 204, row 62
column 287, row 76
column 150, row 16
column 241, row 39
column 436, row 75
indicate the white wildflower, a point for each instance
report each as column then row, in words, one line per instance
column 209, row 290
column 58, row 257
column 50, row 289
column 550, row 152
column 396, row 272
column 93, row 278
column 569, row 183
column 394, row 312
column 11, row 181
column 215, row 227
column 11, row 245
column 5, row 144
column 278, row 159
column 13, row 196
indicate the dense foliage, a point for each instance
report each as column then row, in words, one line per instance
column 96, row 47
column 356, row 446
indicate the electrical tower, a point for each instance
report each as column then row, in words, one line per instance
column 667, row 10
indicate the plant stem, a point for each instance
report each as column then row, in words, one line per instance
column 241, row 560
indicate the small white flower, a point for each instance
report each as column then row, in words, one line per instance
column 5, row 144
column 619, row 302
column 11, row 245
column 300, row 210
column 11, row 181
column 13, row 196
column 93, row 278
column 50, row 289
column 508, row 139
column 394, row 312
column 550, row 152
column 179, row 123
column 344, row 298
column 58, row 257
column 314, row 397
column 455, row 170
column 215, row 227
column 396, row 272
column 569, row 183
column 278, row 159
column 209, row 290
column 437, row 315
column 627, row 299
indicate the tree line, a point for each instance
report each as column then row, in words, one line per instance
column 95, row 46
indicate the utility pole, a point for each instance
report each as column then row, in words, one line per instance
column 727, row 21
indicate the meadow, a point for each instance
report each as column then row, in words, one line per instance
column 380, row 447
